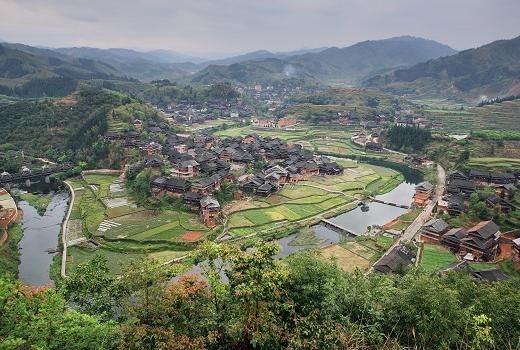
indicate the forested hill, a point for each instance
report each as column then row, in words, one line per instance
column 27, row 71
column 61, row 130
column 347, row 65
column 491, row 70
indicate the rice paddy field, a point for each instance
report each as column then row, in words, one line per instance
column 495, row 163
column 498, row 116
column 103, row 211
column 307, row 200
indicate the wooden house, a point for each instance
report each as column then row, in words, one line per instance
column 209, row 210
column 481, row 241
column 433, row 230
column 453, row 238
column 423, row 193
column 169, row 186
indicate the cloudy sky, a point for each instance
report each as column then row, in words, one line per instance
column 233, row 26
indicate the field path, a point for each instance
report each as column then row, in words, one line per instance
column 64, row 232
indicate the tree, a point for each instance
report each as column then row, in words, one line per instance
column 92, row 289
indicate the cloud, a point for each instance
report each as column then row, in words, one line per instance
column 201, row 26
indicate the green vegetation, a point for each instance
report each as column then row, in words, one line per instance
column 468, row 74
column 435, row 258
column 9, row 253
column 145, row 309
column 61, row 131
column 31, row 72
column 38, row 201
column 408, row 138
column 496, row 134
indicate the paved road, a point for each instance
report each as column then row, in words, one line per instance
column 410, row 233
column 412, row 230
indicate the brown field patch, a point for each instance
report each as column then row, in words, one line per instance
column 191, row 236
column 345, row 259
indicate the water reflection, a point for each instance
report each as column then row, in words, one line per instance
column 40, row 235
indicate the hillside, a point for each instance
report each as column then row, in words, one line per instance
column 56, row 127
column 145, row 66
column 31, row 72
column 339, row 65
column 492, row 70
column 258, row 71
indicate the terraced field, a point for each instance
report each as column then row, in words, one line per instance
column 499, row 116
column 495, row 163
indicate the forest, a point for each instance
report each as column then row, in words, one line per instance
column 406, row 138
column 248, row 300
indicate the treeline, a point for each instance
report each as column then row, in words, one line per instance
column 164, row 93
column 49, row 87
column 498, row 100
column 406, row 138
column 248, row 300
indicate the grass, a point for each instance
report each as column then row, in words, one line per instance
column 79, row 255
column 305, row 237
column 39, row 201
column 147, row 225
column 9, row 253
column 103, row 183
column 435, row 257
column 345, row 259
column 495, row 163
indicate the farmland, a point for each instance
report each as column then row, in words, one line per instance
column 307, row 201
column 435, row 258
column 499, row 116
column 103, row 211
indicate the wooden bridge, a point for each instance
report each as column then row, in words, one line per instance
column 28, row 175
column 390, row 203
column 338, row 227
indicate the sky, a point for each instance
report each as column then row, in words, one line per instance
column 217, row 27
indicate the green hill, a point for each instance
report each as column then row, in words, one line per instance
column 31, row 72
column 258, row 71
column 491, row 70
column 337, row 65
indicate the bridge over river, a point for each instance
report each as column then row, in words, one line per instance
column 338, row 227
column 26, row 175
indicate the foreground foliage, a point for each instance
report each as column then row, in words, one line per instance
column 248, row 300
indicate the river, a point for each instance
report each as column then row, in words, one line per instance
column 40, row 234
column 357, row 220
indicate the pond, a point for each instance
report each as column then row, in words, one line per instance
column 40, row 239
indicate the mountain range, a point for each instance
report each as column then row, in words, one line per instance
column 403, row 65
column 491, row 70
column 345, row 65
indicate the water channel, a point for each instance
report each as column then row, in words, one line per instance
column 39, row 243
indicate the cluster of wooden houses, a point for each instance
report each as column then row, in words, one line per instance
column 480, row 242
column 460, row 185
column 273, row 123
column 194, row 167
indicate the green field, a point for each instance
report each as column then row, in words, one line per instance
column 495, row 163
column 499, row 116
column 435, row 258
column 308, row 199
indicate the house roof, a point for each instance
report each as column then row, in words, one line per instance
column 484, row 229
column 436, row 225
column 209, row 202
column 456, row 233
column 398, row 259
column 424, row 186
column 490, row 275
